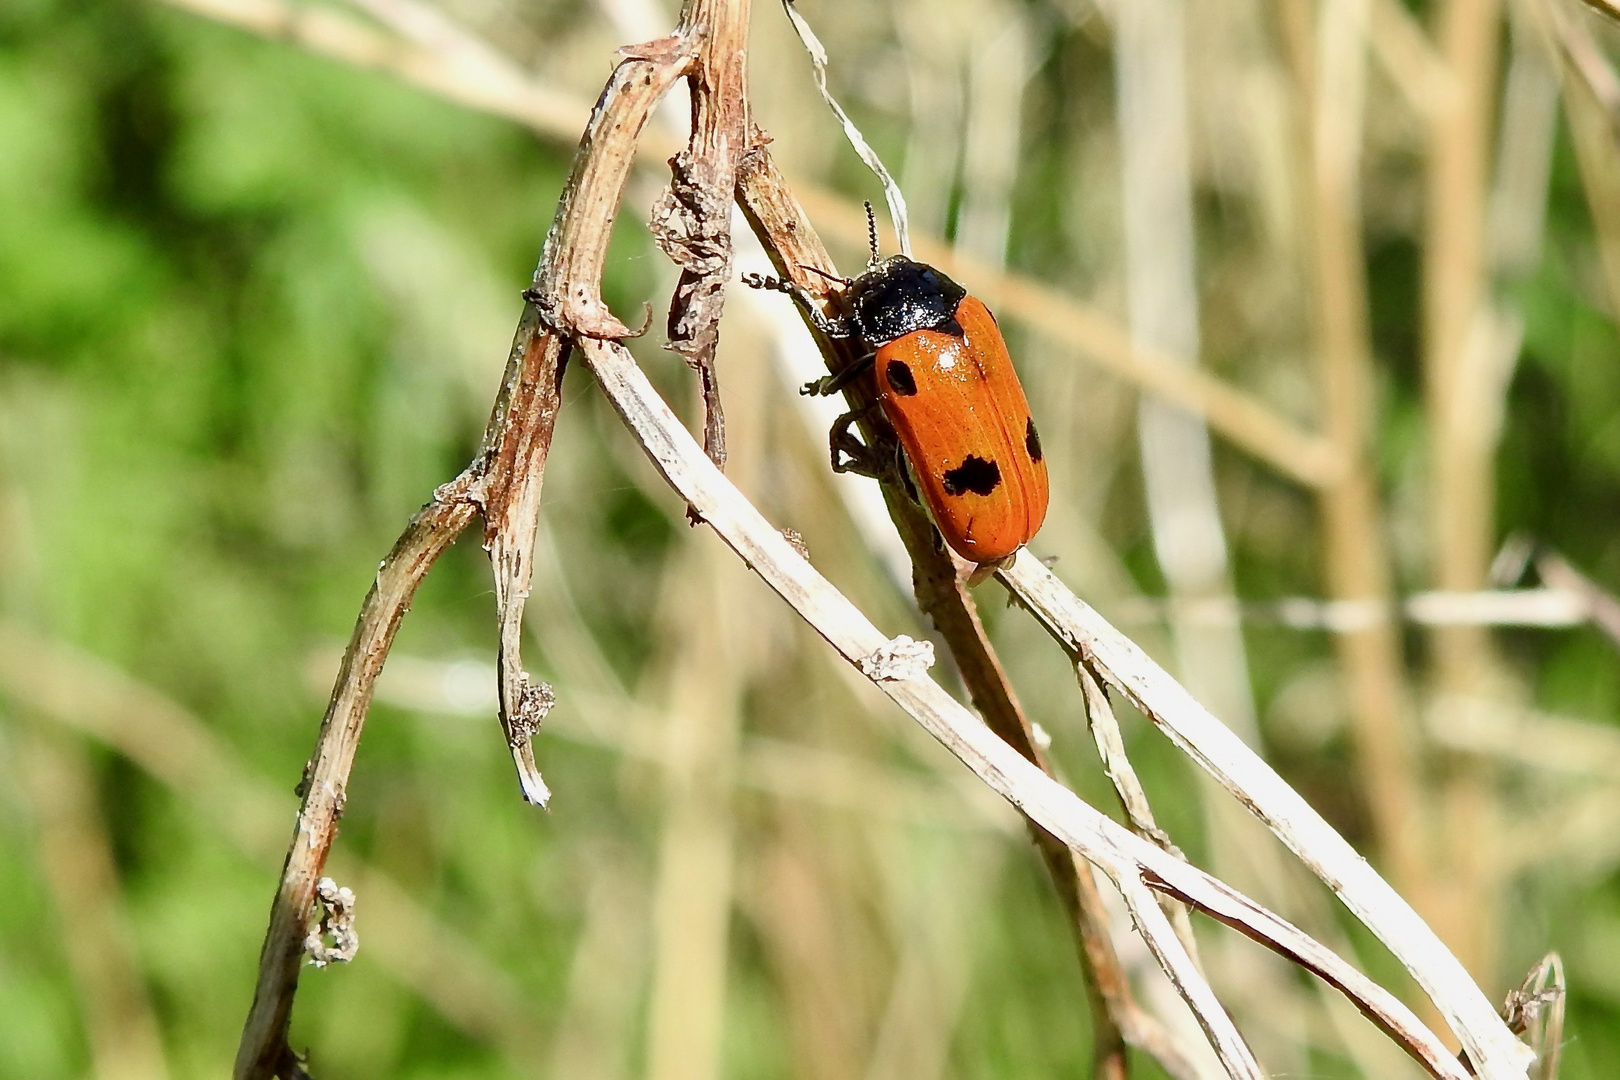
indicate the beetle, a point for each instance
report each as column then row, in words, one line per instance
column 947, row 386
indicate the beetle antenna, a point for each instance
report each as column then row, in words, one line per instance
column 871, row 233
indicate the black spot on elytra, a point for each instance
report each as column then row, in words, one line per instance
column 1032, row 440
column 975, row 474
column 898, row 372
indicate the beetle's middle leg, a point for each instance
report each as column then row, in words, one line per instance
column 850, row 454
column 832, row 384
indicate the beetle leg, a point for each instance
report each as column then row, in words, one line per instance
column 849, row 454
column 832, row 327
column 831, row 384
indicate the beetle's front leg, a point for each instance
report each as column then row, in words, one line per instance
column 832, row 327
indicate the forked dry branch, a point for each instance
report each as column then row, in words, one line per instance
column 727, row 160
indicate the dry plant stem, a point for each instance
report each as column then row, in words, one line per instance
column 264, row 1052
column 1118, row 1021
column 503, row 481
column 520, row 435
column 1355, row 553
column 1111, row 749
column 1125, row 857
column 1165, row 942
column 942, row 594
column 1249, row 423
column 1497, row 1055
column 693, row 222
column 1132, row 796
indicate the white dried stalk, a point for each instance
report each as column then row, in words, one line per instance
column 1132, row 795
column 1112, row 848
column 1495, row 1052
column 891, row 190
column 1165, row 942
column 1111, row 749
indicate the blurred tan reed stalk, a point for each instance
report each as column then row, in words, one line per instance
column 720, row 650
column 76, row 853
column 713, row 661
column 605, row 976
column 1460, row 389
column 1330, row 64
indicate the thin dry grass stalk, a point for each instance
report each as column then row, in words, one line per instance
column 1089, row 637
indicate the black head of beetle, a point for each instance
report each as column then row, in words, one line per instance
column 898, row 296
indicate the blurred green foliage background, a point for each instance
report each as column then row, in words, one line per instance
column 253, row 307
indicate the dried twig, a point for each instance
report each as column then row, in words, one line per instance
column 1111, row 749
column 503, row 482
column 1167, row 945
column 1121, row 854
column 264, row 1051
column 1132, row 795
column 1492, row 1048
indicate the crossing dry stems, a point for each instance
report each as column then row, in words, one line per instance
column 727, row 159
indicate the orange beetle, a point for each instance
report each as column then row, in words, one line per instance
column 947, row 385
